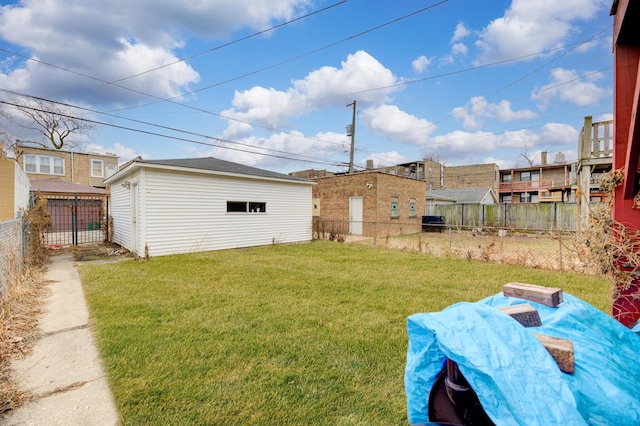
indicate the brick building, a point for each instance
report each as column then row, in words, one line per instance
column 472, row 176
column 550, row 183
column 370, row 203
column 83, row 168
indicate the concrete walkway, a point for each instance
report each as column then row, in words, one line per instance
column 64, row 372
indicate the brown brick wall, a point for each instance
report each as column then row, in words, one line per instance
column 377, row 191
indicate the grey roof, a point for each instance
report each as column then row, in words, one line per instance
column 215, row 165
column 462, row 195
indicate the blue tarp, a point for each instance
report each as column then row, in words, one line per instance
column 516, row 379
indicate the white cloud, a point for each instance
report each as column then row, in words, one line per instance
column 570, row 86
column 397, row 125
column 116, row 39
column 124, row 153
column 383, row 159
column 465, row 142
column 459, row 49
column 359, row 74
column 559, row 134
column 478, row 108
column 533, row 26
column 420, row 64
column 461, row 144
column 323, row 88
column 268, row 152
column 460, row 32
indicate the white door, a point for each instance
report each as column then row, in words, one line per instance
column 355, row 215
column 134, row 217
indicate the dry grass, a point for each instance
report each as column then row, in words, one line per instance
column 19, row 310
column 541, row 251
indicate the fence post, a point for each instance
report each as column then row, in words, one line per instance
column 560, row 249
column 74, row 220
column 375, row 232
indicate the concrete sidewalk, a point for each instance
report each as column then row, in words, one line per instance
column 64, row 372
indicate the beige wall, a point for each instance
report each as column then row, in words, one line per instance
column 378, row 190
column 14, row 189
column 77, row 166
column 7, row 191
column 473, row 176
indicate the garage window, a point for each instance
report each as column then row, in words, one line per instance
column 246, row 207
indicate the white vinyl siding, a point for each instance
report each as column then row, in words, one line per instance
column 121, row 210
column 187, row 212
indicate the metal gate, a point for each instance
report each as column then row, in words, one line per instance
column 77, row 219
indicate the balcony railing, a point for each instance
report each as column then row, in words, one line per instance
column 529, row 185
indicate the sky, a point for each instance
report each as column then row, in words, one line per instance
column 272, row 83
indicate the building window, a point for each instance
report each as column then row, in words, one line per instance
column 525, row 176
column 412, row 208
column 528, row 197
column 506, row 199
column 394, row 208
column 43, row 164
column 111, row 169
column 246, row 207
column 97, row 168
column 506, row 178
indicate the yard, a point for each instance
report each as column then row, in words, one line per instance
column 310, row 333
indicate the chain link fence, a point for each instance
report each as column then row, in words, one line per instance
column 554, row 249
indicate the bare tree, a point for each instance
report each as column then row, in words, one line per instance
column 55, row 122
column 528, row 157
column 436, row 157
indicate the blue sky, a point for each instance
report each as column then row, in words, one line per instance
column 267, row 82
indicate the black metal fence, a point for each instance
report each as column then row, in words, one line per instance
column 77, row 219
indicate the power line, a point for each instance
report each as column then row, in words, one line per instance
column 186, row 58
column 147, row 132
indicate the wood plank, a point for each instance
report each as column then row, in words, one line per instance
column 549, row 296
column 561, row 350
column 525, row 314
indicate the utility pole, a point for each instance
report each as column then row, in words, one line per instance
column 351, row 131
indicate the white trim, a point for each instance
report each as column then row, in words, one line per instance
column 93, row 160
column 135, row 165
column 38, row 163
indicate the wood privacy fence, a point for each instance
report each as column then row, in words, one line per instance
column 542, row 216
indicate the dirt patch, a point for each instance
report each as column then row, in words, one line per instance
column 99, row 251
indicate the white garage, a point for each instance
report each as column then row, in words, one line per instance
column 162, row 207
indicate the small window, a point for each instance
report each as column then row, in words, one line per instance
column 246, row 207
column 506, row 178
column 412, row 208
column 394, row 208
column 45, row 165
column 257, row 207
column 30, row 164
column 97, row 168
column 506, row 198
column 525, row 176
column 58, row 166
column 236, row 206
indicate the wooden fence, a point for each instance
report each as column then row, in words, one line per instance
column 550, row 216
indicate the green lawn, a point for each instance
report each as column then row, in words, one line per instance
column 284, row 334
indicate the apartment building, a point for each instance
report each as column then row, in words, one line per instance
column 83, row 168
